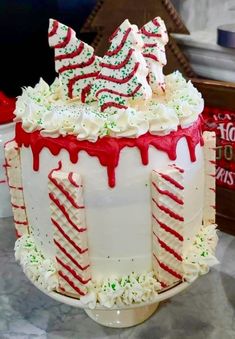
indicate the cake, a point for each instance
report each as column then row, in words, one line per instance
column 113, row 180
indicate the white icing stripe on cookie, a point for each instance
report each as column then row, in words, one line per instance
column 167, row 223
column 155, row 38
column 124, row 71
column 210, row 180
column 70, row 232
column 75, row 61
column 13, row 170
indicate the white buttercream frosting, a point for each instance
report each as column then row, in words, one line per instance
column 201, row 255
column 127, row 290
column 34, row 264
column 43, row 108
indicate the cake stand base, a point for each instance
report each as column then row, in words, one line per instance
column 122, row 318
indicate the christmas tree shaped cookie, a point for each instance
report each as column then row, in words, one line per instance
column 124, row 70
column 155, row 38
column 75, row 61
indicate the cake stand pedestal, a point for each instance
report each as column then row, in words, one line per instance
column 118, row 317
column 123, row 317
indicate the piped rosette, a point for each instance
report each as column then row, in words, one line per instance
column 75, row 61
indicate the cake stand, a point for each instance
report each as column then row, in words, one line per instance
column 118, row 316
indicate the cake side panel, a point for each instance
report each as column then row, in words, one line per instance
column 118, row 219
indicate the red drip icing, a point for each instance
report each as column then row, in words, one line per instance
column 62, row 249
column 151, row 56
column 108, row 149
column 65, row 213
column 73, row 272
column 168, row 229
column 145, row 32
column 120, row 81
column 168, row 211
column 169, row 194
column 121, row 64
column 70, row 282
column 60, row 229
column 168, row 269
column 72, row 54
column 66, row 40
column 168, row 248
column 75, row 66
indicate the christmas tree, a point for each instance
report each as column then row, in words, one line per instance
column 155, row 38
column 124, row 71
column 75, row 61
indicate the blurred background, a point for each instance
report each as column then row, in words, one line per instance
column 25, row 55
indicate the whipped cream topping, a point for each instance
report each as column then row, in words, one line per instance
column 201, row 255
column 34, row 264
column 43, row 108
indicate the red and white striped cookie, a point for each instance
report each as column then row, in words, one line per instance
column 124, row 71
column 155, row 38
column 210, row 180
column 168, row 224
column 75, row 61
column 70, row 232
column 13, row 171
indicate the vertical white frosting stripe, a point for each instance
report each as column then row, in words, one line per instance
column 13, row 170
column 210, row 179
column 168, row 222
column 70, row 232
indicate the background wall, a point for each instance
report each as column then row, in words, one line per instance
column 205, row 14
column 24, row 52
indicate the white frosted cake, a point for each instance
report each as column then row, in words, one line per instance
column 112, row 184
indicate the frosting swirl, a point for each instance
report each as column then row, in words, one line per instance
column 42, row 108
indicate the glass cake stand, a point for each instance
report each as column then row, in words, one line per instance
column 118, row 316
